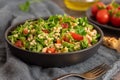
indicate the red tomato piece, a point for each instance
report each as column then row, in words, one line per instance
column 76, row 36
column 64, row 25
column 58, row 41
column 65, row 38
column 96, row 7
column 51, row 50
column 102, row 16
column 118, row 8
column 25, row 31
column 115, row 21
column 19, row 43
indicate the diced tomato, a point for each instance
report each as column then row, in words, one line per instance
column 65, row 38
column 45, row 31
column 51, row 50
column 58, row 41
column 76, row 36
column 64, row 25
column 19, row 43
column 25, row 31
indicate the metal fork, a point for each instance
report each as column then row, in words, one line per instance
column 89, row 75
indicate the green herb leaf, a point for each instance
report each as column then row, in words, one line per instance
column 25, row 6
column 84, row 44
column 80, row 30
column 97, row 35
column 95, row 39
column 83, row 21
column 69, row 46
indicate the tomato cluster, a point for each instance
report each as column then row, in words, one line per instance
column 105, row 14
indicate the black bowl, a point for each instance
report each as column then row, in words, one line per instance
column 53, row 60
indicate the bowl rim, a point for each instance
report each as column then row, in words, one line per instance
column 43, row 53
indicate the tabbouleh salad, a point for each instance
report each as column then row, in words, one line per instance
column 57, row 34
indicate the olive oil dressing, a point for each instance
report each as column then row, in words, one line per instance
column 79, row 5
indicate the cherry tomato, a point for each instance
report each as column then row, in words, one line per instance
column 102, row 16
column 115, row 20
column 64, row 25
column 65, row 38
column 51, row 50
column 119, row 8
column 25, row 31
column 76, row 36
column 19, row 43
column 96, row 7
